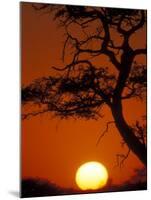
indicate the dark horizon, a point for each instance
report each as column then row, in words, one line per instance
column 36, row 187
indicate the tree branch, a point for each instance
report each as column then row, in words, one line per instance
column 121, row 158
column 140, row 51
column 33, row 114
column 105, row 131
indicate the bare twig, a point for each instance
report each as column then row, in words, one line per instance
column 33, row 114
column 105, row 131
column 121, row 158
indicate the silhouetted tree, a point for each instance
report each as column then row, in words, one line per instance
column 38, row 187
column 80, row 88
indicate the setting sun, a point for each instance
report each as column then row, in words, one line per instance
column 91, row 176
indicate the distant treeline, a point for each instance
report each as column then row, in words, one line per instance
column 38, row 187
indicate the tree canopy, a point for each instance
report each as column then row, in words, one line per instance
column 81, row 89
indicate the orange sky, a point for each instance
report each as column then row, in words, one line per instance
column 53, row 148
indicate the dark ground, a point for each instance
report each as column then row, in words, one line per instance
column 38, row 187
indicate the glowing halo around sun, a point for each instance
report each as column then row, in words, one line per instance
column 91, row 176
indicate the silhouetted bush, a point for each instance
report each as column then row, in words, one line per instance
column 37, row 187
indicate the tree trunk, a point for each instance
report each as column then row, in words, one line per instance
column 127, row 134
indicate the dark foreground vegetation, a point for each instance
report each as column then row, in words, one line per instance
column 39, row 187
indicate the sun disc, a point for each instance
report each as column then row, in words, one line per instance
column 91, row 176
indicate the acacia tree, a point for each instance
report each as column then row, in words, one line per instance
column 81, row 88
